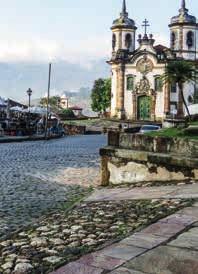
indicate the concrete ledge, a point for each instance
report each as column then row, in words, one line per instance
column 140, row 142
column 25, row 138
column 125, row 166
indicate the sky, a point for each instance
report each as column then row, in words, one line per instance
column 77, row 31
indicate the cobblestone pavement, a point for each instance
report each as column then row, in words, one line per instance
column 65, row 236
column 168, row 246
column 37, row 176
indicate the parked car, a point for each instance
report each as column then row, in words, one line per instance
column 148, row 128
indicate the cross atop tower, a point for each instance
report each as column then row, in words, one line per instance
column 145, row 25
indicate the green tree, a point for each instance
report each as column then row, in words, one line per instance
column 54, row 102
column 101, row 95
column 68, row 113
column 180, row 72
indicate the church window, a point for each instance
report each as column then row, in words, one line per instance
column 190, row 39
column 130, row 82
column 114, row 42
column 128, row 41
column 173, row 40
column 173, row 87
column 190, row 99
column 158, row 83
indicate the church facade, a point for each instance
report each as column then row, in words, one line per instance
column 138, row 92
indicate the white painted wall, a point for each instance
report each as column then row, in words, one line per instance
column 113, row 91
column 132, row 69
column 187, row 55
column 193, row 109
column 122, row 34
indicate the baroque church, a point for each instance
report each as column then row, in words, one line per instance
column 138, row 92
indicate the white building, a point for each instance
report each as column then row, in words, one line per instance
column 137, row 90
column 64, row 101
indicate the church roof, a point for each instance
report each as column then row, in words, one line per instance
column 160, row 48
column 183, row 16
column 124, row 21
column 76, row 108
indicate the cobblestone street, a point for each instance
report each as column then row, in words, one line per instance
column 37, row 176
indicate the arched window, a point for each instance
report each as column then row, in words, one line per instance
column 114, row 41
column 173, row 40
column 190, row 39
column 190, row 99
column 130, row 82
column 128, row 41
column 158, row 83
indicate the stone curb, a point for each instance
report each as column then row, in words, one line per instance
column 163, row 192
column 25, row 139
column 111, row 257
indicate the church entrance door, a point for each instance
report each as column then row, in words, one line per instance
column 144, row 108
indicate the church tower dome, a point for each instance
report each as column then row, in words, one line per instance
column 184, row 34
column 124, row 30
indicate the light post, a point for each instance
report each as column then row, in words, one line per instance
column 29, row 93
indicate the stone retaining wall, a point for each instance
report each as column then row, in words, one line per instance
column 133, row 158
column 74, row 130
column 178, row 146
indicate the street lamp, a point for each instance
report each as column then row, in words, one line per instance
column 29, row 93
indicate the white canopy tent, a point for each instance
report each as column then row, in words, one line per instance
column 36, row 110
column 17, row 109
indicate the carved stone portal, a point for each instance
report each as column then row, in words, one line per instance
column 144, row 101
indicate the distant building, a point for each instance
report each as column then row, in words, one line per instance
column 77, row 111
column 64, row 101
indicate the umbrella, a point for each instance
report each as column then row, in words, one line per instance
column 16, row 108
column 36, row 110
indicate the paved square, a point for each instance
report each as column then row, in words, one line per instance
column 166, row 260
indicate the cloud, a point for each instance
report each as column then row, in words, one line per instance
column 81, row 52
column 43, row 50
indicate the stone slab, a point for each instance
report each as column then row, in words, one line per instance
column 122, row 251
column 144, row 240
column 179, row 219
column 139, row 194
column 104, row 262
column 74, row 268
column 188, row 240
column 161, row 192
column 166, row 260
column 124, row 270
column 105, row 194
column 166, row 230
column 190, row 211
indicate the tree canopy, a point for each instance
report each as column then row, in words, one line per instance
column 101, row 95
column 180, row 72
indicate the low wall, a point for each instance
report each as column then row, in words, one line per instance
column 131, row 158
column 75, row 130
column 178, row 146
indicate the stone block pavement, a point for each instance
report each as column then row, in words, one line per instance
column 169, row 246
column 161, row 192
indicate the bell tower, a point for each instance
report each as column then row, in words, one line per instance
column 123, row 32
column 123, row 45
column 184, row 34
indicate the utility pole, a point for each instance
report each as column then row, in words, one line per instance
column 195, row 85
column 48, row 96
